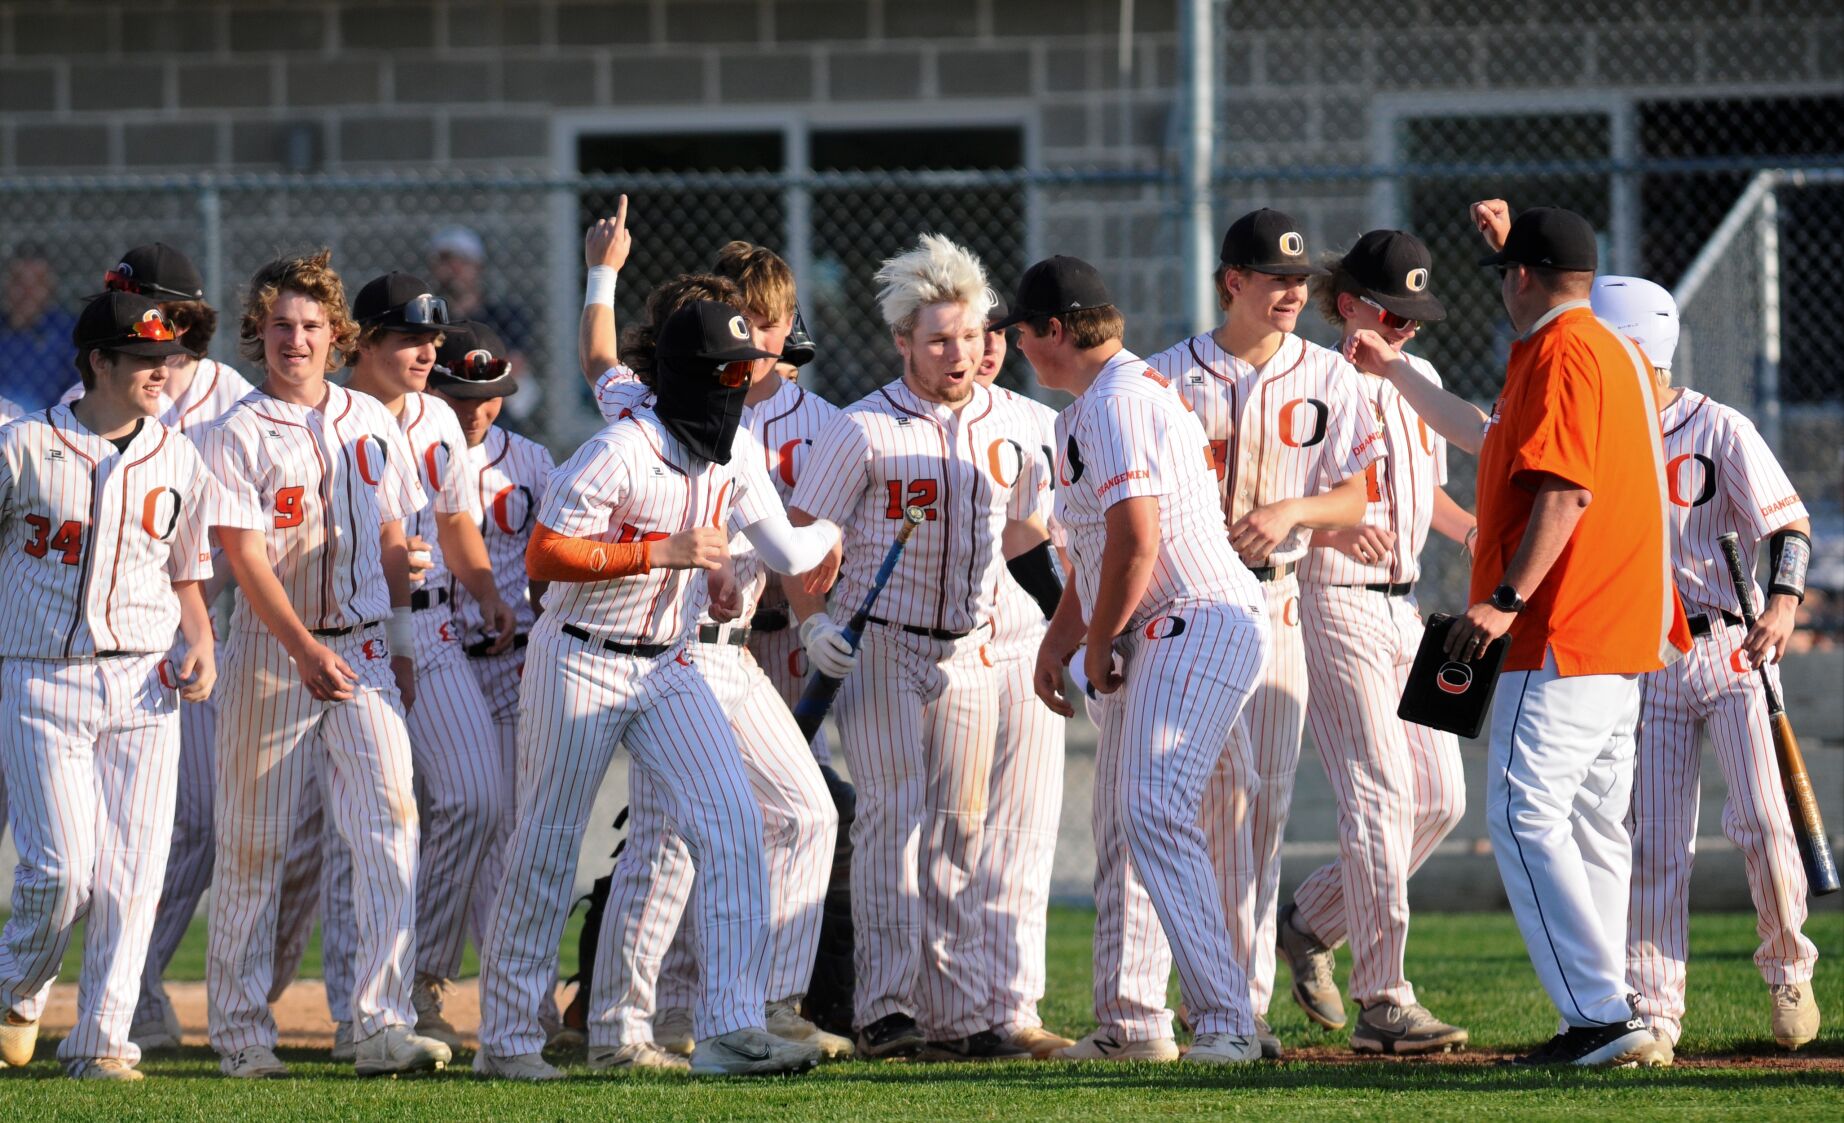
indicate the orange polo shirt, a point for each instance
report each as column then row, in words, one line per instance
column 1578, row 404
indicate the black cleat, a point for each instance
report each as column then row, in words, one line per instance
column 1614, row 1045
column 889, row 1037
column 985, row 1045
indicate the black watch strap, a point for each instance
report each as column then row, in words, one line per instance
column 1505, row 599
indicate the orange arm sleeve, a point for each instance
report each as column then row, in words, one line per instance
column 551, row 556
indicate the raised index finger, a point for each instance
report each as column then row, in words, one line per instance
column 621, row 214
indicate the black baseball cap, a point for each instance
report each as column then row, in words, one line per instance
column 1549, row 237
column 799, row 349
column 1052, row 287
column 399, row 302
column 1267, row 241
column 997, row 312
column 127, row 322
column 1393, row 267
column 472, row 362
column 157, row 270
column 707, row 331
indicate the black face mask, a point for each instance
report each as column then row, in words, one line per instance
column 701, row 412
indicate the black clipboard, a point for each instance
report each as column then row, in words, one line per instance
column 1448, row 694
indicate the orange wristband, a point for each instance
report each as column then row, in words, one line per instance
column 551, row 556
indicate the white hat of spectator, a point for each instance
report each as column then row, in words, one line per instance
column 458, row 241
column 1642, row 311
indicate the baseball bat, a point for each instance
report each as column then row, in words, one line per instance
column 816, row 698
column 1808, row 826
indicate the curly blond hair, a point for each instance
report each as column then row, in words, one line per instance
column 312, row 276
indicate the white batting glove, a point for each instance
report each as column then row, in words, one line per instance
column 827, row 650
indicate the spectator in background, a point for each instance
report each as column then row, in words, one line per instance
column 35, row 334
column 457, row 266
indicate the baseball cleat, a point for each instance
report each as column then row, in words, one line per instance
column 17, row 1037
column 636, row 1055
column 785, row 1022
column 1270, row 1044
column 161, row 1032
column 1040, row 1042
column 672, row 1030
column 1404, row 1031
column 254, row 1062
column 1314, row 987
column 985, row 1045
column 1795, row 1014
column 343, row 1048
column 751, row 1052
column 1656, row 1053
column 396, row 1049
column 426, row 996
column 565, row 1040
column 1103, row 1045
column 1613, row 1045
column 893, row 1035
column 1224, row 1049
column 524, row 1066
column 108, row 1068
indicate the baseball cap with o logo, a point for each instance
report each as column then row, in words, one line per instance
column 1393, row 267
column 1267, row 241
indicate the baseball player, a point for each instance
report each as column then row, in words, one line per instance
column 1175, row 636
column 197, row 391
column 1292, row 439
column 918, row 716
column 89, row 700
column 458, row 771
column 1025, row 802
column 1722, row 478
column 621, row 524
column 652, row 877
column 1572, row 562
column 1399, row 786
column 318, row 482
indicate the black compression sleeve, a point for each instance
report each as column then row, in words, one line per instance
column 1035, row 572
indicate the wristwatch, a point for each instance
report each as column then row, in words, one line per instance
column 1505, row 599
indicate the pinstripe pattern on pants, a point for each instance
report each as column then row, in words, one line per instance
column 272, row 738
column 917, row 718
column 1399, row 786
column 1705, row 692
column 579, row 703
column 91, row 751
column 189, row 860
column 498, row 676
column 784, row 661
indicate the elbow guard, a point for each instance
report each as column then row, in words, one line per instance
column 1035, row 572
column 1789, row 553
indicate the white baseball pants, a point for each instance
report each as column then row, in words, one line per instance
column 784, row 661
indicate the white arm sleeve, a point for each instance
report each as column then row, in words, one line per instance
column 788, row 549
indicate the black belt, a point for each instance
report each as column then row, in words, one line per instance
column 1400, row 590
column 345, row 631
column 1702, row 625
column 644, row 650
column 423, row 598
column 478, row 649
column 714, row 633
column 931, row 633
column 1271, row 572
column 769, row 620
column 116, row 654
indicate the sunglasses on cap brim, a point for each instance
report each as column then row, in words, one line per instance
column 1390, row 319
column 116, row 281
column 145, row 331
column 478, row 370
column 425, row 311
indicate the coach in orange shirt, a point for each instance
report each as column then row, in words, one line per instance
column 1572, row 560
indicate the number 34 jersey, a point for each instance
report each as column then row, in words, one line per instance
column 93, row 536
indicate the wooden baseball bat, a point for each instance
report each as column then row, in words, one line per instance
column 816, row 698
column 1808, row 825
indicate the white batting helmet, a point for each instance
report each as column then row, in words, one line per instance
column 1642, row 311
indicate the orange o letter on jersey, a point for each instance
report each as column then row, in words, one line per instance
column 158, row 517
column 363, row 456
column 784, row 460
column 1005, row 468
column 1315, row 433
column 1705, row 489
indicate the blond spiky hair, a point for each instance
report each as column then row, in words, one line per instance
column 937, row 271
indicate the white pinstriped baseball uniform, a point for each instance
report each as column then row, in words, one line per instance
column 1295, row 427
column 9, row 410
column 459, row 793
column 1190, row 657
column 654, row 964
column 92, row 537
column 1722, row 477
column 319, row 483
column 507, row 473
column 786, row 425
column 918, row 716
column 1400, row 786
column 630, row 481
column 1025, row 802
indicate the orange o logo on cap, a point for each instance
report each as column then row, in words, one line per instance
column 739, row 327
column 1292, row 244
column 1454, row 678
column 1417, row 279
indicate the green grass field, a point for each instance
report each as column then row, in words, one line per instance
column 1470, row 969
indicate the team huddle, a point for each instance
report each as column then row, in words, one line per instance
column 353, row 650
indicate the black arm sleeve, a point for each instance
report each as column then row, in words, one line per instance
column 1035, row 572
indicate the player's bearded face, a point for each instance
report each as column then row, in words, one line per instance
column 297, row 338
column 941, row 355
column 403, row 359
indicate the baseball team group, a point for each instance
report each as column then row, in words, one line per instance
column 350, row 650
